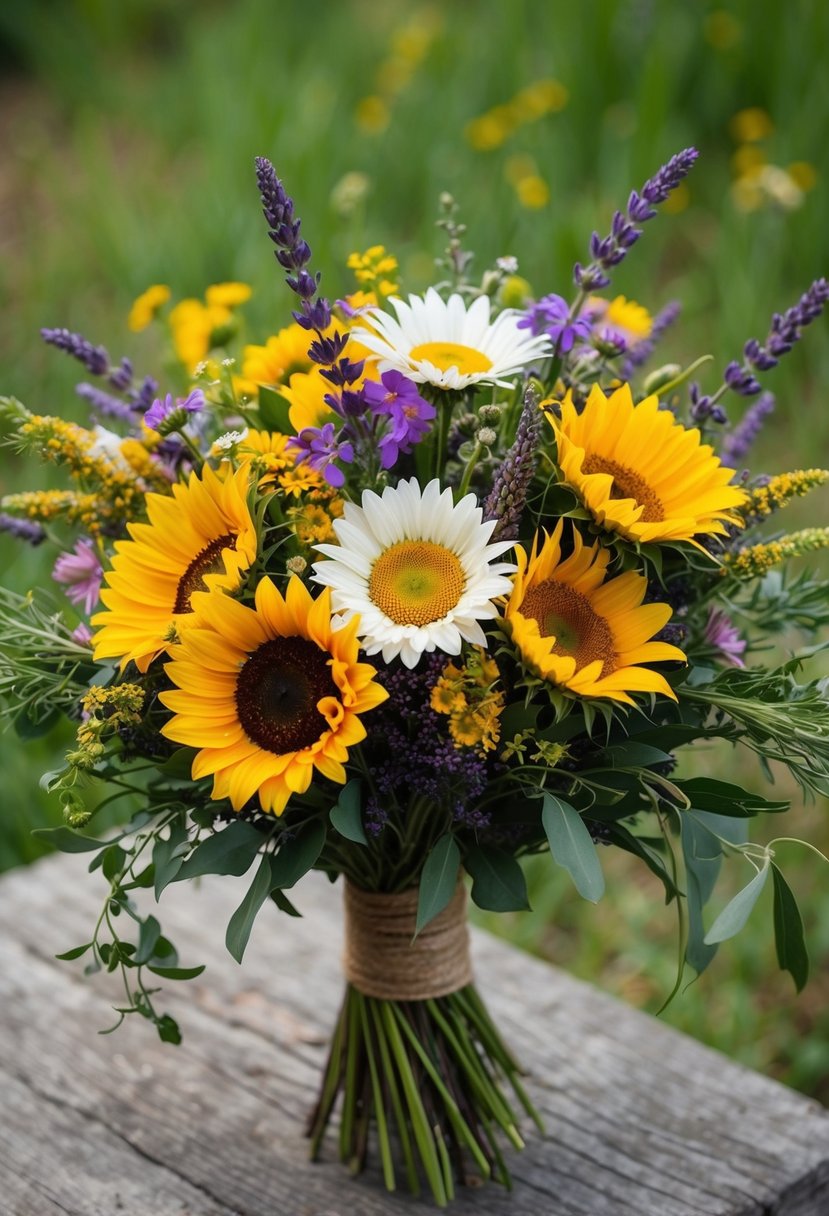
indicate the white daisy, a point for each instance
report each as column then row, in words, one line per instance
column 442, row 342
column 417, row 570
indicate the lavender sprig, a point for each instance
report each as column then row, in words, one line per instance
column 786, row 329
column 737, row 444
column 607, row 252
column 508, row 496
column 94, row 358
column 22, row 529
column 104, row 403
column 642, row 351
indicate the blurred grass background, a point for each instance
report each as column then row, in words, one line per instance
column 127, row 135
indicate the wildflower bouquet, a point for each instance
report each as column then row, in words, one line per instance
column 414, row 589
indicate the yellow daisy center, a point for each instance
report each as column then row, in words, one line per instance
column 444, row 355
column 565, row 614
column 277, row 692
column 416, row 582
column 628, row 484
column 209, row 561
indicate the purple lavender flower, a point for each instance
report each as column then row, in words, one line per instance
column 292, row 252
column 319, row 447
column 786, row 330
column 508, row 496
column 94, row 358
column 104, row 403
column 22, row 529
column 611, row 250
column 81, row 574
column 409, row 415
column 82, row 634
column 170, row 413
column 551, row 315
column 142, row 398
column 642, row 351
column 704, row 407
column 721, row 634
column 737, row 444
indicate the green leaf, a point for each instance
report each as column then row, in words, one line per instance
column 27, row 727
column 230, row 851
column 723, row 798
column 735, row 914
column 573, row 847
column 626, row 840
column 438, row 880
column 148, row 936
column 273, row 411
column 703, row 859
column 67, row 841
column 346, row 815
column 792, row 954
column 634, row 754
column 75, row 952
column 498, row 882
column 241, row 922
column 177, row 973
column 168, row 856
column 283, row 903
column 297, row 855
column 168, row 1030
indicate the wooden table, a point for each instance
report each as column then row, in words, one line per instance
column 641, row 1120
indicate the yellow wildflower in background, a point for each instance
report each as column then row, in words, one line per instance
column 780, row 490
column 493, row 128
column 757, row 560
column 373, row 268
column 228, row 295
column 372, row 114
column 145, row 309
column 751, row 125
column 722, row 29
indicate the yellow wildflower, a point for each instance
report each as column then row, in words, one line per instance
column 751, row 125
column 145, row 309
column 372, row 268
column 780, row 490
column 372, row 115
column 533, row 192
column 228, row 295
column 757, row 560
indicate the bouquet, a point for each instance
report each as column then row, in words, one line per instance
column 415, row 588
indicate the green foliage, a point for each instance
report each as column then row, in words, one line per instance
column 438, row 880
column 572, row 846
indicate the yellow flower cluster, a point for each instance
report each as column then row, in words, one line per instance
column 530, row 188
column 106, row 710
column 757, row 182
column 757, row 560
column 372, row 268
column 312, row 522
column 68, row 506
column 115, row 481
column 146, row 308
column 469, row 697
column 409, row 47
column 782, row 489
column 493, row 128
column 137, row 455
column 199, row 326
column 525, row 744
column 283, row 354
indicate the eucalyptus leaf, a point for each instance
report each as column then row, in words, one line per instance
column 168, row 856
column 241, row 922
column 148, row 936
column 230, row 851
column 792, row 954
column 634, row 754
column 735, row 914
column 297, row 855
column 438, row 880
column 498, row 882
column 346, row 815
column 572, row 846
column 177, row 973
column 67, row 841
column 703, row 858
column 75, row 952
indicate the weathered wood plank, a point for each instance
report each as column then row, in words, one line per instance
column 641, row 1120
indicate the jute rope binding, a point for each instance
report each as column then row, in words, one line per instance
column 382, row 960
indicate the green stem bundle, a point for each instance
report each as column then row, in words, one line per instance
column 431, row 1079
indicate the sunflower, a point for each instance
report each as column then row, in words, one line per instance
column 201, row 538
column 581, row 631
column 268, row 694
column 640, row 472
column 282, row 356
column 416, row 569
column 305, row 394
column 444, row 343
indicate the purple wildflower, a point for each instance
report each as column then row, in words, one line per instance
column 737, row 444
column 642, row 351
column 724, row 637
column 786, row 329
column 104, row 403
column 94, row 358
column 319, row 447
column 82, row 634
column 170, row 413
column 704, row 407
column 508, row 495
column 609, row 251
column 409, row 415
column 551, row 315
column 22, row 529
column 81, row 574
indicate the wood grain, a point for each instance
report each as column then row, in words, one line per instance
column 641, row 1120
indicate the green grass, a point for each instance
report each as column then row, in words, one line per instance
column 130, row 135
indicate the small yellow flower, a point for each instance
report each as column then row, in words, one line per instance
column 372, row 115
column 372, row 268
column 533, row 192
column 446, row 697
column 145, row 309
column 228, row 295
column 751, row 125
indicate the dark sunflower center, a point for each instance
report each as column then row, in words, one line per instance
column 209, row 561
column 627, row 483
column 565, row 614
column 277, row 692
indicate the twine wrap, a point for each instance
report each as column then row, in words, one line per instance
column 381, row 959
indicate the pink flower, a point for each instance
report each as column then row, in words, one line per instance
column 723, row 635
column 80, row 572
